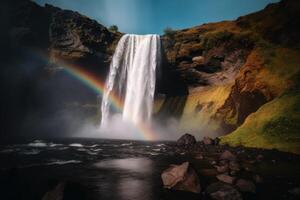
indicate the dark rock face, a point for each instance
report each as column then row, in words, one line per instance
column 181, row 177
column 198, row 65
column 186, row 140
column 74, row 36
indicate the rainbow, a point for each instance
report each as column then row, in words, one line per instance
column 97, row 85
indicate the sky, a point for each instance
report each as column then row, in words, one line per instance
column 153, row 16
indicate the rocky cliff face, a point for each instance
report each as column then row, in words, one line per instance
column 255, row 56
column 214, row 75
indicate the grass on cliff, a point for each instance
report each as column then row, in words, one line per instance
column 275, row 125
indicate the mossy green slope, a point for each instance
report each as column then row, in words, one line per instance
column 275, row 125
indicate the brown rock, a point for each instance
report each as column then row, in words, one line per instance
column 199, row 157
column 227, row 155
column 226, row 178
column 222, row 169
column 198, row 60
column 234, row 165
column 181, row 177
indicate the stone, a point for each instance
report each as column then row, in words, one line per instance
column 222, row 191
column 199, row 157
column 181, row 177
column 246, row 186
column 226, row 178
column 234, row 165
column 227, row 155
column 207, row 141
column 198, row 60
column 222, row 168
column 186, row 140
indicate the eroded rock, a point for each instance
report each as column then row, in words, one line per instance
column 246, row 186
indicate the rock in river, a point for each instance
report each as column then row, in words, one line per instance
column 227, row 155
column 181, row 177
column 186, row 139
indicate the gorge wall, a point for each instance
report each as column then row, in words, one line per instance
column 216, row 79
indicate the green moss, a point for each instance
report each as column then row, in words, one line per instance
column 275, row 125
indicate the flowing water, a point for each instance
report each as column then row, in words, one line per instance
column 132, row 78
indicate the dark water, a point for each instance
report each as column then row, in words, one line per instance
column 104, row 169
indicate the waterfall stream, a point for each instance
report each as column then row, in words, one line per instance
column 132, row 78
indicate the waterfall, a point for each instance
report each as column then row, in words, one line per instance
column 132, row 78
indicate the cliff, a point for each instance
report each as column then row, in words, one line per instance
column 217, row 78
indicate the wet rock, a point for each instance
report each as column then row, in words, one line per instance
column 234, row 165
column 198, row 60
column 226, row 178
column 181, row 177
column 207, row 141
column 186, row 140
column 222, row 191
column 227, row 155
column 246, row 186
column 222, row 169
column 199, row 157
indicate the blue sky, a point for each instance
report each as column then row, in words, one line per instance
column 153, row 16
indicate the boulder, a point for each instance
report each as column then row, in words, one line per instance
column 181, row 177
column 226, row 178
column 186, row 140
column 222, row 168
column 227, row 155
column 207, row 141
column 198, row 59
column 246, row 186
column 222, row 191
column 234, row 165
column 199, row 157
